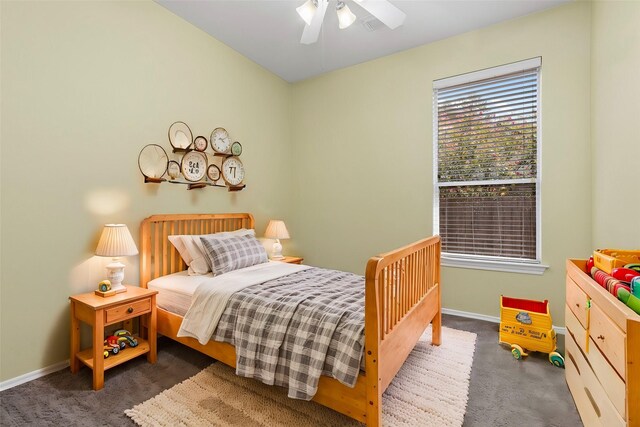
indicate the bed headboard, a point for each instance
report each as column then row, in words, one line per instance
column 158, row 257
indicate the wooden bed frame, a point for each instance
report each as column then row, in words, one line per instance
column 402, row 296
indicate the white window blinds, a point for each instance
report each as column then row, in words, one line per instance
column 487, row 160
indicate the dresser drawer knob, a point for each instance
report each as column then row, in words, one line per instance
column 601, row 337
column 130, row 310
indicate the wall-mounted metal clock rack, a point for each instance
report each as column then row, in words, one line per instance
column 195, row 162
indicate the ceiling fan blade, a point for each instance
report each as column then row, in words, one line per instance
column 311, row 32
column 387, row 13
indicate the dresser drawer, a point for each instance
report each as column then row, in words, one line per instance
column 592, row 401
column 575, row 328
column 577, row 301
column 609, row 339
column 127, row 311
column 611, row 382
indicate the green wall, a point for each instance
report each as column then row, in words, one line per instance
column 615, row 112
column 345, row 159
column 85, row 85
column 363, row 150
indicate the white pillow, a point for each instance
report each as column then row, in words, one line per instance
column 190, row 248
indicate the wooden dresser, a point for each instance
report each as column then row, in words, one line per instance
column 602, row 353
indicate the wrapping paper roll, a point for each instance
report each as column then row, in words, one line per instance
column 608, row 282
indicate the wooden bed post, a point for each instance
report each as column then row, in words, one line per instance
column 372, row 345
column 145, row 254
column 436, row 323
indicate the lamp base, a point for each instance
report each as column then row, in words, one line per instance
column 276, row 252
column 115, row 274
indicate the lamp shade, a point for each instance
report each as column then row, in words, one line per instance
column 276, row 230
column 307, row 10
column 116, row 241
column 345, row 16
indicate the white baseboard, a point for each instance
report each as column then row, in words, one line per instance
column 30, row 376
column 559, row 329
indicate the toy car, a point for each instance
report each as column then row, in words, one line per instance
column 110, row 349
column 527, row 325
column 115, row 342
column 124, row 337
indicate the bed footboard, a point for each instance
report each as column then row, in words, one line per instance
column 402, row 296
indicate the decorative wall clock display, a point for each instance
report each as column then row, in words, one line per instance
column 152, row 162
column 194, row 166
column 192, row 163
column 233, row 171
column 173, row 170
column 200, row 143
column 213, row 172
column 180, row 136
column 220, row 141
column 236, row 148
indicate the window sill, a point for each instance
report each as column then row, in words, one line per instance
column 493, row 265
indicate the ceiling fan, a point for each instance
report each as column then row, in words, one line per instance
column 313, row 11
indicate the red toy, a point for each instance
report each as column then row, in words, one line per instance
column 590, row 264
column 624, row 274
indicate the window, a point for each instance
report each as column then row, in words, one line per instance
column 487, row 168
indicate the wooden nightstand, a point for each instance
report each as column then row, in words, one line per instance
column 99, row 312
column 291, row 260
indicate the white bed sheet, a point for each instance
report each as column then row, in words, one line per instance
column 176, row 290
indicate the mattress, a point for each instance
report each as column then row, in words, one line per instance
column 176, row 290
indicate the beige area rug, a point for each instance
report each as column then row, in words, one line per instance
column 431, row 389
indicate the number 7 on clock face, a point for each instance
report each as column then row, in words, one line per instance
column 233, row 171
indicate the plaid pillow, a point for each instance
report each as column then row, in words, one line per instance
column 192, row 251
column 232, row 253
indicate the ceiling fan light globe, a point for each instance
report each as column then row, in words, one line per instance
column 306, row 11
column 345, row 16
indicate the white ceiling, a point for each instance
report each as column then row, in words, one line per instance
column 268, row 31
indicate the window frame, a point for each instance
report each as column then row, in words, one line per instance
column 483, row 262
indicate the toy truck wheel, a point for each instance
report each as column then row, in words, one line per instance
column 115, row 350
column 517, row 351
column 557, row 359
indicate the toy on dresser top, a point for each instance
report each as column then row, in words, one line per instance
column 619, row 273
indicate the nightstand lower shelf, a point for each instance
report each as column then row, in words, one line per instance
column 128, row 353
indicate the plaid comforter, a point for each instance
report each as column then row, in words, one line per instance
column 291, row 330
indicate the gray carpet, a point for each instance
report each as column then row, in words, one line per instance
column 503, row 391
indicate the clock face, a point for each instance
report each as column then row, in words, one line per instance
column 194, row 166
column 173, row 169
column 233, row 171
column 236, row 148
column 213, row 172
column 152, row 161
column 200, row 143
column 220, row 141
column 180, row 135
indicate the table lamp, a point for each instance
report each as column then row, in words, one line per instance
column 116, row 242
column 276, row 230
